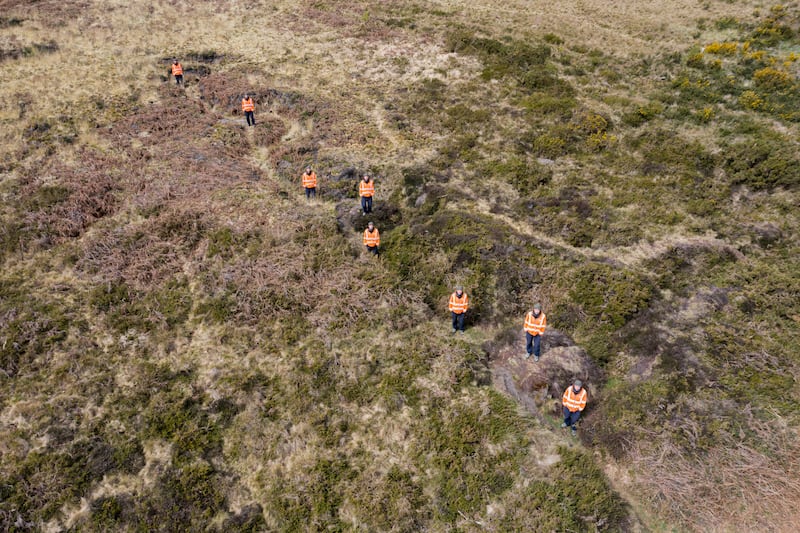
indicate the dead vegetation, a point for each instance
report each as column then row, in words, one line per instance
column 697, row 488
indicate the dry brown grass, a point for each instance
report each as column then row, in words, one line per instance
column 732, row 487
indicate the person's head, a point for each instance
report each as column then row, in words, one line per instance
column 370, row 226
column 308, row 170
column 174, row 61
column 537, row 308
column 459, row 290
column 577, row 385
column 366, row 177
column 246, row 96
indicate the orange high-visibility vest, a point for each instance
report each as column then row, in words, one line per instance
column 535, row 326
column 373, row 238
column 248, row 105
column 310, row 180
column 177, row 69
column 366, row 188
column 458, row 305
column 574, row 401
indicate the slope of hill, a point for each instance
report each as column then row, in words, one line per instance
column 186, row 343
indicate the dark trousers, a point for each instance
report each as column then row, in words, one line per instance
column 533, row 344
column 366, row 204
column 458, row 320
column 251, row 118
column 372, row 250
column 311, row 192
column 178, row 79
column 571, row 418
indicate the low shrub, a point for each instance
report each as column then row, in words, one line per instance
column 460, row 118
column 772, row 79
column 549, row 146
column 126, row 308
column 542, row 103
column 268, row 131
column 392, row 500
column 29, row 330
column 525, row 62
column 577, row 498
column 552, row 38
column 316, row 497
column 726, row 23
column 664, row 151
column 541, row 80
column 751, row 100
column 51, row 478
column 525, row 176
column 724, row 49
column 181, row 499
column 608, row 295
column 231, row 139
column 10, row 22
column 227, row 243
column 643, row 114
column 775, row 27
column 457, row 442
column 765, row 162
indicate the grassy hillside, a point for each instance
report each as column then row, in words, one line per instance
column 187, row 344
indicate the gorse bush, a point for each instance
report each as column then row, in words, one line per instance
column 774, row 28
column 755, row 72
column 643, row 114
column 766, row 162
column 501, row 55
column 772, row 79
column 726, row 49
column 524, row 62
column 751, row 100
column 609, row 295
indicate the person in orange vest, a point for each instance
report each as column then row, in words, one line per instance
column 458, row 305
column 310, row 183
column 177, row 71
column 249, row 108
column 366, row 190
column 573, row 402
column 372, row 238
column 535, row 324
